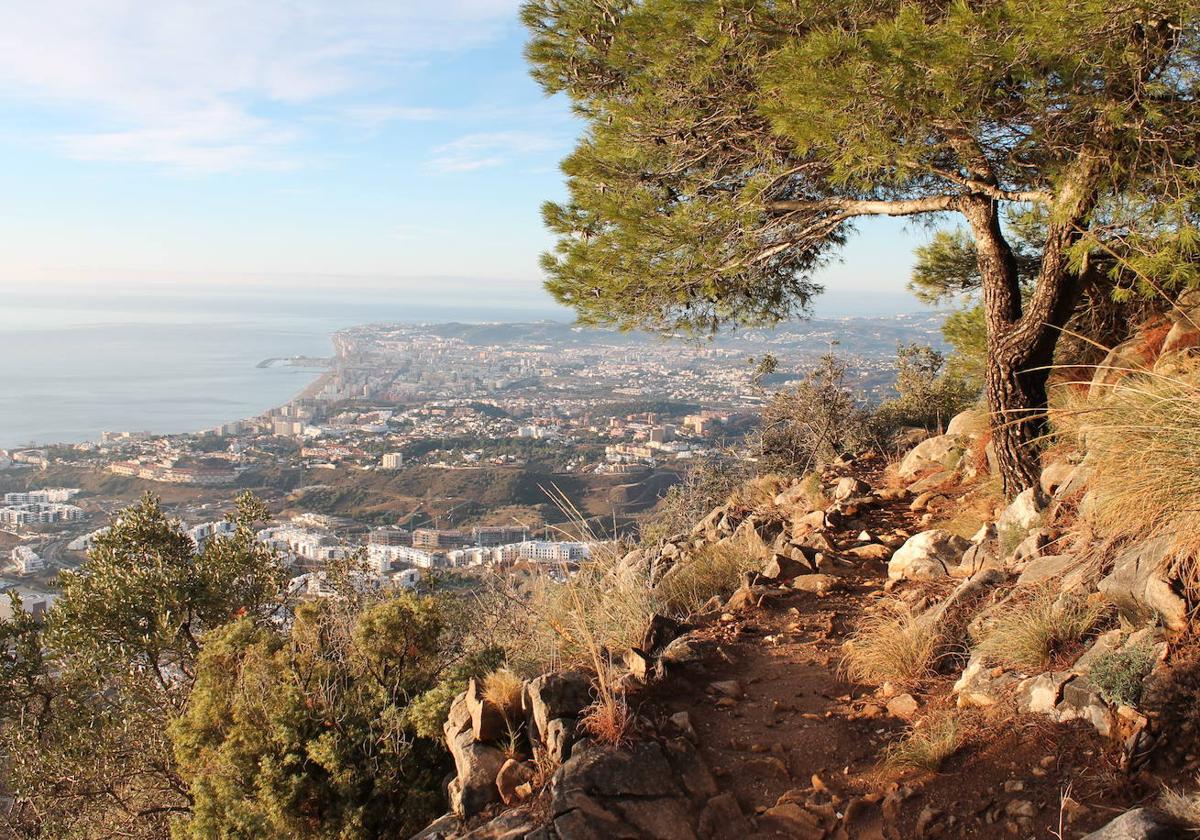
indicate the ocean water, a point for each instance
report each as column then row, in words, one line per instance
column 76, row 362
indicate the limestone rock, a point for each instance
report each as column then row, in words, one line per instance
column 973, row 421
column 927, row 555
column 560, row 737
column 980, row 685
column 1138, row 824
column 1055, row 475
column 871, row 551
column 555, row 695
column 1138, row 588
column 1046, row 568
column 940, row 452
column 903, row 706
column 849, row 487
column 474, row 786
column 513, row 774
column 487, row 720
column 818, row 584
column 1022, row 514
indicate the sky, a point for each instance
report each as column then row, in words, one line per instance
column 300, row 143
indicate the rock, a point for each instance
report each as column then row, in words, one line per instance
column 487, row 720
column 794, row 821
column 727, row 688
column 1138, row 824
column 474, row 786
column 722, row 819
column 783, row 567
column 1045, row 568
column 973, row 421
column 1138, row 589
column 661, row 819
column 578, row 816
column 903, row 706
column 690, row 769
column 849, row 487
column 927, row 555
column 817, row 542
column 660, row 632
column 980, row 685
column 513, row 774
column 871, row 551
column 1128, row 357
column 684, row 651
column 445, row 826
column 641, row 770
column 977, row 558
column 556, row 695
column 1022, row 514
column 560, row 737
column 1021, row 808
column 1031, row 546
column 1055, row 475
column 941, row 452
column 818, row 584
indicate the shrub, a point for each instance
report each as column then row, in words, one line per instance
column 706, row 484
column 502, row 688
column 1119, row 675
column 926, row 398
column 892, row 645
column 926, row 746
column 812, row 423
column 715, row 569
column 1032, row 626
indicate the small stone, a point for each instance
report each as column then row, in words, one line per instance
column 727, row 688
column 1014, row 786
column 903, row 706
column 1021, row 808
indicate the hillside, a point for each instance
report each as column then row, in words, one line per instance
column 885, row 650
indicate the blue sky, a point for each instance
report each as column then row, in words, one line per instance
column 390, row 143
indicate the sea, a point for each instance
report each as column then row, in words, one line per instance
column 78, row 361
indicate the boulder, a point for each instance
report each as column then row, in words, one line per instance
column 1054, row 475
column 871, row 551
column 849, row 487
column 1138, row 587
column 818, row 584
column 556, row 695
column 941, row 452
column 474, row 785
column 513, row 774
column 783, row 567
column 1047, row 567
column 973, row 421
column 981, row 685
column 1022, row 514
column 1128, row 357
column 929, row 554
column 487, row 720
column 1138, row 824
column 641, row 770
column 722, row 819
column 933, row 482
column 560, row 737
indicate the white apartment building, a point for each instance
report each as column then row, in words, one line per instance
column 205, row 531
column 302, row 543
column 55, row 495
column 39, row 514
column 26, row 560
column 383, row 558
column 393, row 460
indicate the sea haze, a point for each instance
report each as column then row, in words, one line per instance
column 80, row 362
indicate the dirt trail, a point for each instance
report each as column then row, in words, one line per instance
column 797, row 719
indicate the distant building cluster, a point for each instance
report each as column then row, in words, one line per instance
column 171, row 473
column 55, row 495
column 39, row 513
column 26, row 561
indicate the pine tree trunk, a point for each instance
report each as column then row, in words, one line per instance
column 1016, row 400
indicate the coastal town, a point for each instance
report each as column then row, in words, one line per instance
column 350, row 465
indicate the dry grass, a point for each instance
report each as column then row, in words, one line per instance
column 1028, row 629
column 973, row 511
column 1143, row 440
column 758, row 493
column 502, row 688
column 608, row 721
column 1182, row 808
column 927, row 745
column 892, row 645
column 716, row 569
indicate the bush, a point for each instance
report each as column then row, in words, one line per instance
column 716, row 569
column 926, row 746
column 926, row 397
column 1119, row 675
column 1032, row 626
column 813, row 423
column 706, row 484
column 892, row 645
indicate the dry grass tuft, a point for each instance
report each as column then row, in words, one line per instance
column 892, row 645
column 1027, row 630
column 1182, row 808
column 608, row 720
column 758, row 493
column 716, row 569
column 927, row 745
column 502, row 688
column 1142, row 436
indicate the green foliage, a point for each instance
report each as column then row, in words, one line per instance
column 85, row 715
column 306, row 733
column 812, row 423
column 1119, row 675
column 926, row 397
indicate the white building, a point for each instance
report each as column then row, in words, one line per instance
column 39, row 514
column 55, row 495
column 26, row 560
column 383, row 558
column 309, row 545
column 86, row 542
column 393, row 460
column 205, row 531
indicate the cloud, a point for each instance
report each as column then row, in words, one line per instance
column 211, row 85
column 485, row 150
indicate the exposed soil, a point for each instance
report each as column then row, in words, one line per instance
column 799, row 724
